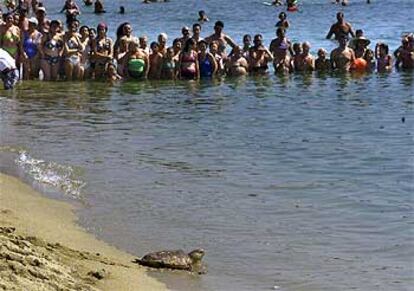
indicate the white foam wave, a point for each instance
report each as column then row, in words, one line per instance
column 59, row 176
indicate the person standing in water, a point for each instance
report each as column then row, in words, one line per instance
column 283, row 22
column 340, row 28
column 222, row 38
column 343, row 56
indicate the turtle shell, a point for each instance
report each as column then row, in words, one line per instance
column 173, row 259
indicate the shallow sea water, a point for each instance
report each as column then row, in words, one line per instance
column 303, row 182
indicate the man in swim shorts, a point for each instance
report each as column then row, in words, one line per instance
column 8, row 71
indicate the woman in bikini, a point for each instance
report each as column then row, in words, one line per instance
column 10, row 36
column 30, row 50
column 73, row 50
column 281, row 48
column 102, row 50
column 51, row 50
column 188, row 66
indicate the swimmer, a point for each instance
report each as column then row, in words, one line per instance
column 384, row 59
column 277, row 3
column 340, row 28
column 322, row 64
column 202, row 16
column 121, row 10
column 283, row 22
column 99, row 7
column 88, row 2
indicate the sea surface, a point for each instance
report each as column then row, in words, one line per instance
column 303, row 182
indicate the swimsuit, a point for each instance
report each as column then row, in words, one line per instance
column 136, row 68
column 206, row 68
column 188, row 72
column 29, row 45
column 11, row 38
column 53, row 45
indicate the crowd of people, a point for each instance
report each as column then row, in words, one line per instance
column 37, row 47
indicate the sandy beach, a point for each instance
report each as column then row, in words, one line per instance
column 42, row 248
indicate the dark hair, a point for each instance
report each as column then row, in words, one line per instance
column 70, row 21
column 341, row 14
column 54, row 21
column 188, row 43
column 219, row 24
column 154, row 43
column 280, row 30
column 257, row 36
column 282, row 14
column 384, row 46
column 82, row 27
column 196, row 25
column 176, row 40
column 203, row 41
column 359, row 31
column 122, row 9
column 247, row 36
column 201, row 12
column 120, row 30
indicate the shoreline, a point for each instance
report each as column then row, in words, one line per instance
column 42, row 247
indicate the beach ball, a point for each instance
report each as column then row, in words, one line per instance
column 360, row 65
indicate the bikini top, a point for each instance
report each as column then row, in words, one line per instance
column 106, row 46
column 188, row 58
column 53, row 44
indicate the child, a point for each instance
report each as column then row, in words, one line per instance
column 111, row 73
column 155, row 60
column 283, row 23
column 168, row 66
column 384, row 59
column 322, row 64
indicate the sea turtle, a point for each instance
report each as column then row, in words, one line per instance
column 175, row 259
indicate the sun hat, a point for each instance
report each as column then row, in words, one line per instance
column 33, row 20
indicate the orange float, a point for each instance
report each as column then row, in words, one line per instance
column 360, row 65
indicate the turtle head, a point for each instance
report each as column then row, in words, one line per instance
column 196, row 255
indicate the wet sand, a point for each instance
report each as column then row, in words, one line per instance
column 42, row 248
